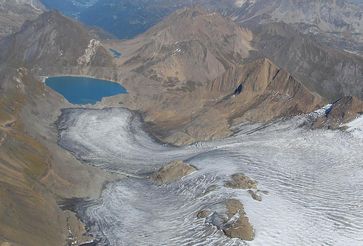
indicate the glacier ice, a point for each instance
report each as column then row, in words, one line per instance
column 314, row 180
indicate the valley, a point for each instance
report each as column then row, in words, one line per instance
column 185, row 126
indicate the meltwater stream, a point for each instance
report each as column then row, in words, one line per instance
column 313, row 182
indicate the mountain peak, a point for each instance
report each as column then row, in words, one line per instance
column 200, row 44
column 50, row 39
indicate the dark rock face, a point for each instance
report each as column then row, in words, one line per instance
column 238, row 90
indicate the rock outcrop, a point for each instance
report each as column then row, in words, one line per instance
column 238, row 225
column 342, row 111
column 241, row 181
column 172, row 172
column 232, row 220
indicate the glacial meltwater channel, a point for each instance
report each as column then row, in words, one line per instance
column 313, row 182
column 84, row 90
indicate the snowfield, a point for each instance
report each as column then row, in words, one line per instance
column 313, row 182
column 356, row 127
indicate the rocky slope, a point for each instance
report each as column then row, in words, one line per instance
column 326, row 70
column 342, row 111
column 53, row 41
column 14, row 13
column 309, row 43
column 127, row 19
column 36, row 174
column 335, row 22
column 190, row 45
column 191, row 75
column 326, row 15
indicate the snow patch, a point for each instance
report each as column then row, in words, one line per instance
column 356, row 127
column 21, row 72
column 239, row 3
column 322, row 111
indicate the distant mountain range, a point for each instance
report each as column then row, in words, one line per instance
column 335, row 22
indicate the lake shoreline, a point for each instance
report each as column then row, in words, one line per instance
column 80, row 90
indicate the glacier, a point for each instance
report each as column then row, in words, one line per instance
column 312, row 182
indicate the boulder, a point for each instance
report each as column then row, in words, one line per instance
column 240, row 181
column 255, row 196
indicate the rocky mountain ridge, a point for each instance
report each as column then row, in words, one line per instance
column 14, row 13
column 330, row 72
column 335, row 22
column 52, row 40
column 193, row 77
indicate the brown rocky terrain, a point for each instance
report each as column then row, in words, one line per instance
column 240, row 181
column 232, row 219
column 53, row 42
column 241, row 228
column 334, row 22
column 13, row 14
column 184, row 79
column 331, row 72
column 235, row 223
column 209, row 110
column 36, row 174
column 172, row 172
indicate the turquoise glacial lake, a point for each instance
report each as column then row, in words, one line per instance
column 84, row 90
